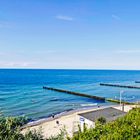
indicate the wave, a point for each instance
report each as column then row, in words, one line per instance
column 89, row 104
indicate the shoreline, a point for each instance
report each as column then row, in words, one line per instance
column 57, row 115
column 65, row 113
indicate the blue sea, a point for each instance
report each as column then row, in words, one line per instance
column 21, row 91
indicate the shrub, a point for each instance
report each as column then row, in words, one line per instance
column 10, row 129
column 101, row 120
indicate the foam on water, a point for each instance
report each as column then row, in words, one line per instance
column 95, row 104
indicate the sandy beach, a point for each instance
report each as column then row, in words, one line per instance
column 69, row 121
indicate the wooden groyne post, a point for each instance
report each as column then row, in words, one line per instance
column 121, row 86
column 75, row 93
column 118, row 101
column 86, row 95
column 137, row 81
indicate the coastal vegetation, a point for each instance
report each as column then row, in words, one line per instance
column 127, row 127
column 10, row 129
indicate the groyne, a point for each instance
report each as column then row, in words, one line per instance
column 75, row 93
column 86, row 95
column 118, row 101
column 137, row 81
column 121, row 86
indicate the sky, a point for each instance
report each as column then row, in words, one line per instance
column 70, row 34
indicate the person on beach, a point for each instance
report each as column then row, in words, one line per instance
column 53, row 116
column 57, row 122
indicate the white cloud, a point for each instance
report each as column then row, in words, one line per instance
column 128, row 51
column 2, row 53
column 67, row 18
column 115, row 17
column 15, row 64
column 4, row 24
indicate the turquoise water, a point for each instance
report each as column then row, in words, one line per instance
column 21, row 91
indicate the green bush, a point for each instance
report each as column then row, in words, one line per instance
column 101, row 120
column 60, row 136
column 10, row 128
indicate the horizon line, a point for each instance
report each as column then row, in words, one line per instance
column 67, row 69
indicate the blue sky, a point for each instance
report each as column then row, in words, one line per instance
column 81, row 34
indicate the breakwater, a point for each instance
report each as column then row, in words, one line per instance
column 118, row 101
column 121, row 86
column 137, row 81
column 75, row 93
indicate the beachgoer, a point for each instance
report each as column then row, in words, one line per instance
column 57, row 122
column 53, row 116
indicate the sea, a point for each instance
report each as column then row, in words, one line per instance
column 22, row 93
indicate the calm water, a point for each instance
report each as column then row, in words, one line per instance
column 21, row 91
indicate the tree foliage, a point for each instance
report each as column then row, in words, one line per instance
column 10, row 129
column 101, row 120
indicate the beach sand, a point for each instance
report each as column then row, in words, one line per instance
column 69, row 121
